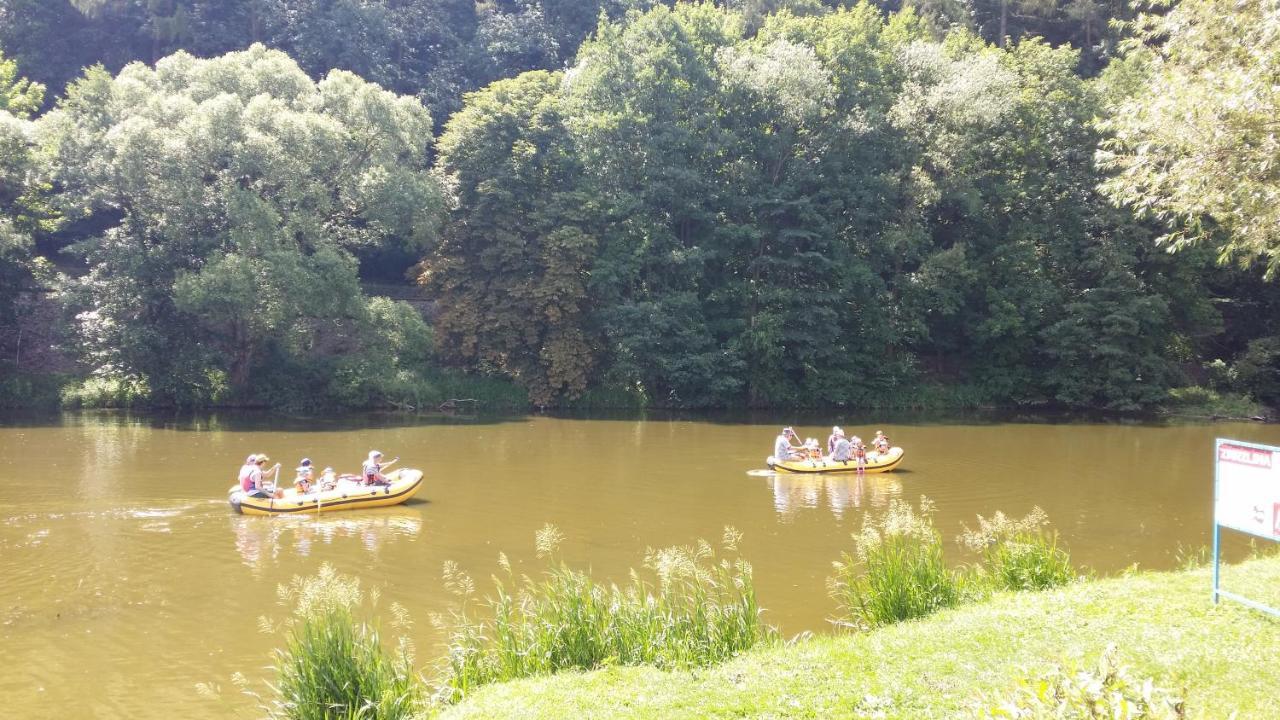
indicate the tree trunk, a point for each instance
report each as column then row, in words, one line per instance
column 1004, row 21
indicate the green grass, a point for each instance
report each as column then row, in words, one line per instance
column 954, row 662
column 687, row 609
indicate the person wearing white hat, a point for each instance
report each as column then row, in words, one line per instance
column 371, row 472
column 782, row 447
column 836, row 434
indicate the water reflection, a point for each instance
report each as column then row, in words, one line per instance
column 839, row 493
column 259, row 541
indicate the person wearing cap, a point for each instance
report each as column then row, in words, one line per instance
column 782, row 447
column 253, row 482
column 371, row 472
column 836, row 434
column 303, row 477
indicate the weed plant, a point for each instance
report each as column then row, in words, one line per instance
column 1019, row 554
column 334, row 666
column 1108, row 692
column 688, row 608
column 897, row 570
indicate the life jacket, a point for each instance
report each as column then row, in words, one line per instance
column 246, row 477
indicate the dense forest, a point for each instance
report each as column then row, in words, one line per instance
column 315, row 204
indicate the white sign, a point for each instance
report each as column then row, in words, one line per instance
column 1248, row 493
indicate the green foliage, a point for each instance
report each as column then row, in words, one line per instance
column 25, row 390
column 1107, row 692
column 897, row 570
column 1204, row 401
column 511, row 271
column 18, row 96
column 105, row 392
column 1258, row 370
column 689, row 610
column 1193, row 146
column 708, row 184
column 233, row 192
column 1019, row 554
column 335, row 667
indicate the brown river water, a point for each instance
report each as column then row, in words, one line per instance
column 128, row 581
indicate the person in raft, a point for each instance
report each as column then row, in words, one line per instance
column 859, row 452
column 880, row 442
column 253, row 477
column 843, row 450
column 304, row 477
column 836, row 434
column 371, row 473
column 782, row 447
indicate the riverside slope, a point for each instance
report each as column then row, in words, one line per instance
column 1219, row 659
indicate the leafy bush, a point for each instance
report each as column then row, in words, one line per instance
column 693, row 610
column 1203, row 401
column 1258, row 370
column 1019, row 554
column 28, row 391
column 1107, row 693
column 903, row 573
column 106, row 392
column 334, row 666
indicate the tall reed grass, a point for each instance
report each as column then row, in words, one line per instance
column 687, row 608
column 1019, row 554
column 897, row 571
column 333, row 665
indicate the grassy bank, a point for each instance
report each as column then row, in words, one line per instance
column 958, row 661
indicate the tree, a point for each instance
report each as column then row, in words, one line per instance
column 510, row 275
column 1195, row 146
column 234, row 191
column 21, row 211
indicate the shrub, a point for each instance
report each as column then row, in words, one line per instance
column 106, row 392
column 334, row 666
column 1108, row 692
column 689, row 609
column 1019, row 554
column 903, row 573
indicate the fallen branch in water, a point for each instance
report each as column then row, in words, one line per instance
column 452, row 403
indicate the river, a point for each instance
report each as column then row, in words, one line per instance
column 128, row 581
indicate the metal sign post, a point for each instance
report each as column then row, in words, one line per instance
column 1246, row 498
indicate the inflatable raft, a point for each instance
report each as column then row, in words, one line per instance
column 348, row 495
column 876, row 463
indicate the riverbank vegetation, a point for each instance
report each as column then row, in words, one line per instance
column 986, row 659
column 1019, row 637
column 595, row 203
column 688, row 609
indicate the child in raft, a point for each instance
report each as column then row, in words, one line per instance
column 304, row 477
column 371, row 471
column 880, row 442
column 859, row 452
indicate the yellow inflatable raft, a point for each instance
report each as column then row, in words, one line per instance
column 876, row 463
column 348, row 495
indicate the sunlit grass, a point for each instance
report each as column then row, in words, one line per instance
column 961, row 661
column 686, row 608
